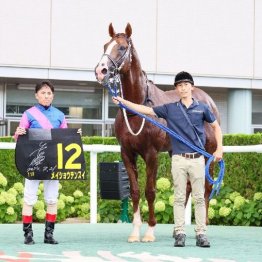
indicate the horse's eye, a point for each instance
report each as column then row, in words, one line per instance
column 122, row 48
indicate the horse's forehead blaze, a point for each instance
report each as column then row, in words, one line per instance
column 110, row 47
column 121, row 40
column 116, row 41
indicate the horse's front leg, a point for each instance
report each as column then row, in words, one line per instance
column 150, row 193
column 130, row 165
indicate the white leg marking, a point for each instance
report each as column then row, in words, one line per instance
column 135, row 235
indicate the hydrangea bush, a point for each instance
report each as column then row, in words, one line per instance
column 11, row 203
column 228, row 208
column 164, row 202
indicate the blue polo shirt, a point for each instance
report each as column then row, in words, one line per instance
column 197, row 112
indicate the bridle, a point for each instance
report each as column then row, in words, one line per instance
column 118, row 64
column 112, row 80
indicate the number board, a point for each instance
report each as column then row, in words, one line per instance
column 50, row 154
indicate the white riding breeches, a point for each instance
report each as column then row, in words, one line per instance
column 51, row 188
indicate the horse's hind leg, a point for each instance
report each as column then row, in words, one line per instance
column 130, row 165
column 150, row 193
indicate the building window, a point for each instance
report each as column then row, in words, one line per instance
column 82, row 108
column 257, row 129
column 112, row 109
column 84, row 104
column 88, row 129
column 257, row 111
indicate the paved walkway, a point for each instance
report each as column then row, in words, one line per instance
column 108, row 242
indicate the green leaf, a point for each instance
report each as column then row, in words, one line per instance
column 166, row 217
column 239, row 215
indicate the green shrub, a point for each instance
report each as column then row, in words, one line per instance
column 10, row 201
column 243, row 175
column 230, row 208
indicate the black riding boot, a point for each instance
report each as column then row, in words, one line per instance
column 49, row 229
column 27, row 227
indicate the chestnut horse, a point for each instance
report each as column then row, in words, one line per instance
column 120, row 59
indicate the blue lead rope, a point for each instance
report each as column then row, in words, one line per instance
column 216, row 183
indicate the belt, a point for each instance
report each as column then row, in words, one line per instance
column 190, row 155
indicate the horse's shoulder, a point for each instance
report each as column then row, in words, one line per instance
column 159, row 96
column 205, row 98
column 202, row 96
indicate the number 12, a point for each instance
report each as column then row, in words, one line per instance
column 70, row 162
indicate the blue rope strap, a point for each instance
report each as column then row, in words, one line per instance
column 216, row 183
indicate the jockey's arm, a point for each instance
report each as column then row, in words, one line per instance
column 136, row 107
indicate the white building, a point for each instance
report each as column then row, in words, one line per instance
column 219, row 42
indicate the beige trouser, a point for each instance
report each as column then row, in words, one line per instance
column 194, row 169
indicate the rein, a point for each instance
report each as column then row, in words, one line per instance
column 113, row 77
column 216, row 183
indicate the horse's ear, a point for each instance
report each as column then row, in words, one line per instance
column 111, row 30
column 128, row 30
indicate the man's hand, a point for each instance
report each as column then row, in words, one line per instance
column 218, row 154
column 20, row 131
column 117, row 99
column 79, row 131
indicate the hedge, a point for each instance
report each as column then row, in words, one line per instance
column 237, row 204
column 243, row 170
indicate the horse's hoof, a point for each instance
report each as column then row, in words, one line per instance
column 148, row 239
column 133, row 239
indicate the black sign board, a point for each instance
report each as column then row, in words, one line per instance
column 50, row 154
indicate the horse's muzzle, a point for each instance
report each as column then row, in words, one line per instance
column 100, row 73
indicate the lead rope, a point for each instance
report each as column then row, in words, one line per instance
column 129, row 127
column 113, row 91
column 216, row 183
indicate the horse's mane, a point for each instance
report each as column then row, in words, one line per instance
column 148, row 80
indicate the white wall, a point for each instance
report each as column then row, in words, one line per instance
column 80, row 29
column 208, row 38
column 258, row 41
column 25, row 33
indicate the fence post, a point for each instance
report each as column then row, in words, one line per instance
column 124, row 218
column 93, row 187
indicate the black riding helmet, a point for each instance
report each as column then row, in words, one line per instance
column 183, row 77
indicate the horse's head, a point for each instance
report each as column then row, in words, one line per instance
column 116, row 57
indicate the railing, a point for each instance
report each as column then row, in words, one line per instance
column 95, row 149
